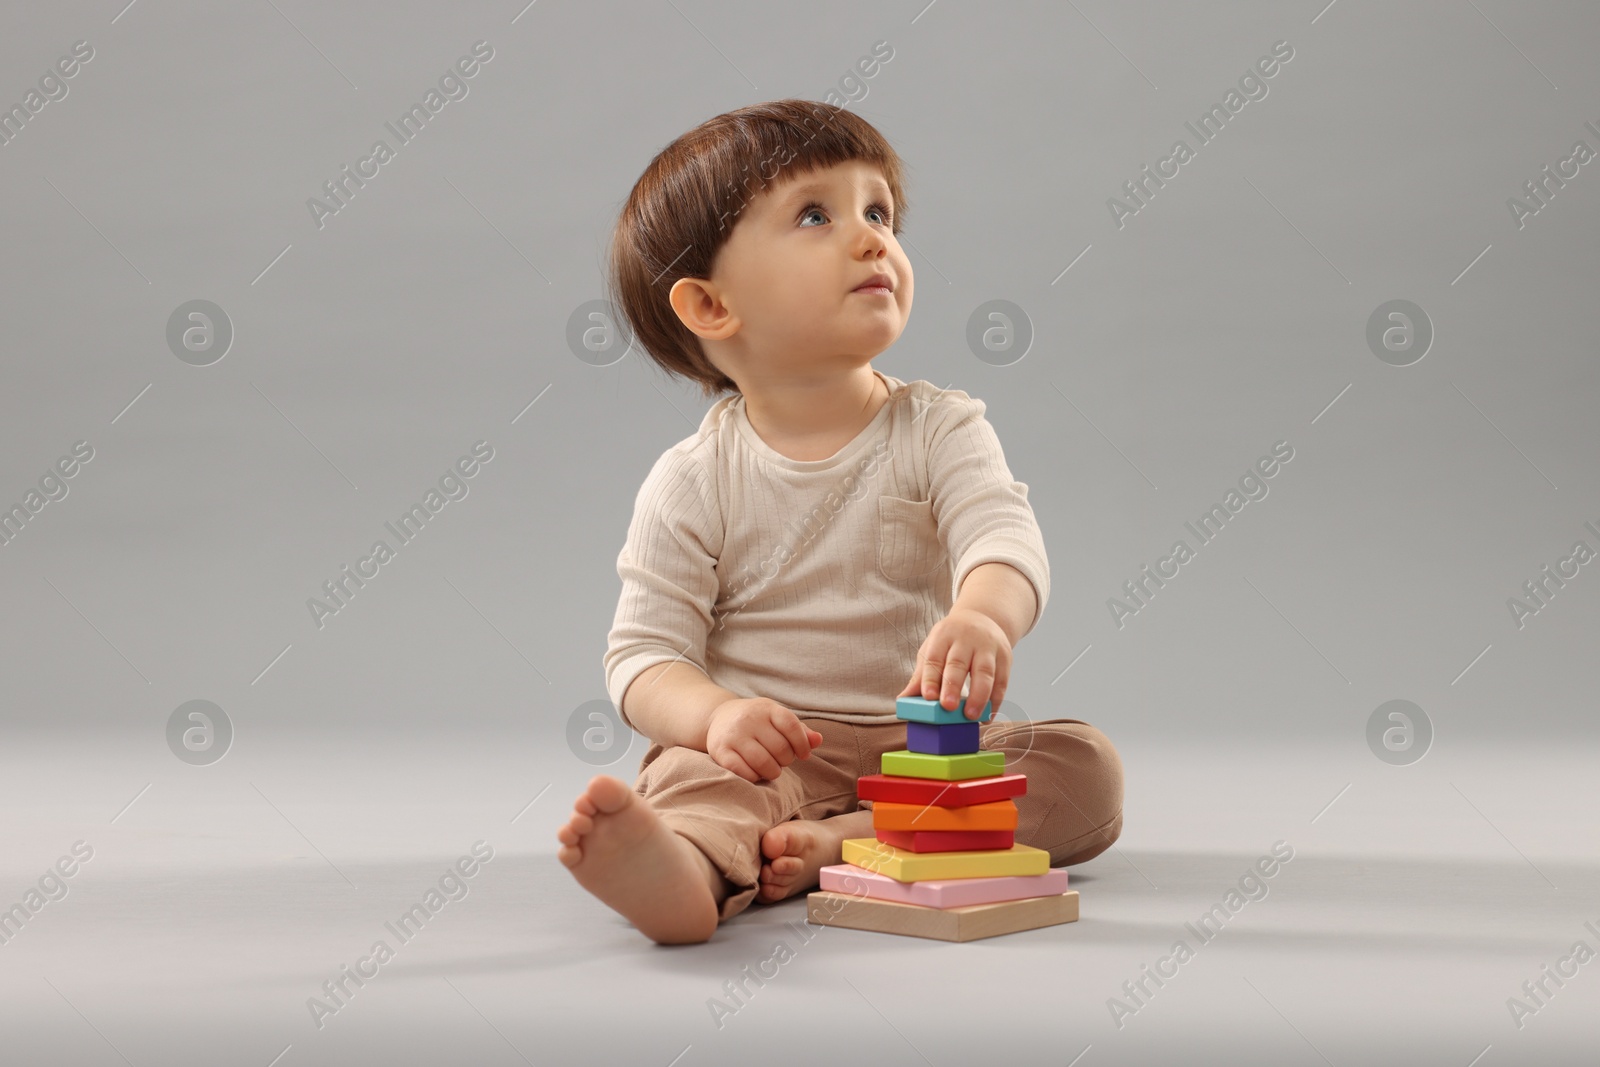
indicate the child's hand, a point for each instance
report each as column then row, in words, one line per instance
column 755, row 737
column 961, row 641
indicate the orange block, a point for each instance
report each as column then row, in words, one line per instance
column 995, row 815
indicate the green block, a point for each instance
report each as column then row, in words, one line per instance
column 954, row 768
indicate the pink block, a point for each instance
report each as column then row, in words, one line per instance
column 944, row 892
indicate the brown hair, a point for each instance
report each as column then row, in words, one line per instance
column 683, row 208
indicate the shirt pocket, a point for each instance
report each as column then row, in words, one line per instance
column 908, row 538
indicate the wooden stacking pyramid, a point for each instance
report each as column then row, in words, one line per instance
column 943, row 862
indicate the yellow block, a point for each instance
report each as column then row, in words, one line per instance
column 946, row 768
column 903, row 865
column 993, row 815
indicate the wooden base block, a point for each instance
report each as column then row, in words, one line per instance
column 968, row 923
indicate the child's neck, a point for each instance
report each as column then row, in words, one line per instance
column 812, row 420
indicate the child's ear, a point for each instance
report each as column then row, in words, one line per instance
column 698, row 304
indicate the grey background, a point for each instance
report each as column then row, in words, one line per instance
column 370, row 354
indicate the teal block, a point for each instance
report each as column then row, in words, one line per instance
column 921, row 709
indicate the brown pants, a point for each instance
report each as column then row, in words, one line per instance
column 1072, row 809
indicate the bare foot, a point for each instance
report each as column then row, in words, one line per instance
column 796, row 850
column 620, row 850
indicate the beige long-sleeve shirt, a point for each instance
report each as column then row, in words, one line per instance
column 814, row 582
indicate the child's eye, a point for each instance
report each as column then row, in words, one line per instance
column 883, row 212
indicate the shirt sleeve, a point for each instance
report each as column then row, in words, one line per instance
column 668, row 570
column 982, row 512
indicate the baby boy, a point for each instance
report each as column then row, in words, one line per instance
column 828, row 536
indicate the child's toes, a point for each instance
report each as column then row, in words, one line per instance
column 775, row 842
column 575, row 829
column 781, row 872
column 786, row 867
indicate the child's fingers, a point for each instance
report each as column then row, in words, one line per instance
column 732, row 761
column 983, row 688
column 955, row 673
column 933, row 669
column 758, row 758
column 798, row 736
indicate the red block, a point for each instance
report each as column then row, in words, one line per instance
column 946, row 840
column 907, row 790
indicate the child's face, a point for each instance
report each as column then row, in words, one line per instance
column 790, row 271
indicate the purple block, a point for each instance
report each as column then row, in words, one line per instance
column 942, row 739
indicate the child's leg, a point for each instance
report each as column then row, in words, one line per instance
column 798, row 849
column 621, row 851
column 725, row 817
column 1073, row 806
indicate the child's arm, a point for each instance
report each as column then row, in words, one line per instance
column 753, row 737
column 1004, row 594
column 975, row 639
column 656, row 650
column 1003, row 572
column 664, row 618
column 671, row 704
